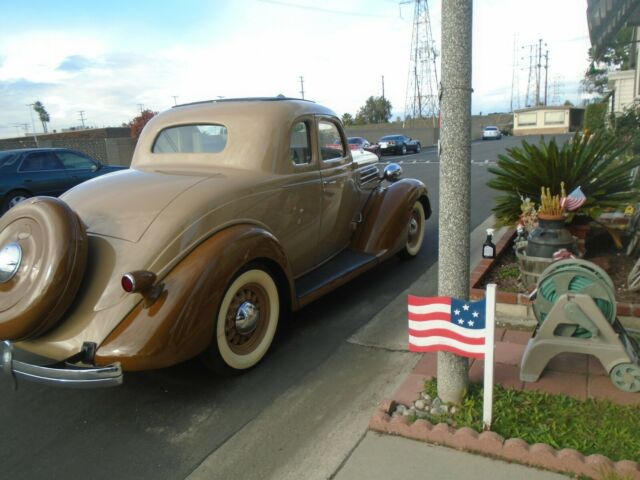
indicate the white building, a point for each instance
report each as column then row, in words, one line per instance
column 606, row 18
column 547, row 120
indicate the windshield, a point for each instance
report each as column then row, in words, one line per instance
column 355, row 141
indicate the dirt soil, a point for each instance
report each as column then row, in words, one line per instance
column 600, row 250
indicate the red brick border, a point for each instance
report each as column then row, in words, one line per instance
column 478, row 274
column 494, row 445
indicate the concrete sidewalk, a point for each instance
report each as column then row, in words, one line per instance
column 387, row 457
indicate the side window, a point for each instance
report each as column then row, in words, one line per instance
column 73, row 161
column 41, row 161
column 299, row 145
column 330, row 141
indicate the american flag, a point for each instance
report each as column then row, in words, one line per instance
column 574, row 200
column 446, row 323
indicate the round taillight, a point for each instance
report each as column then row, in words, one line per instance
column 128, row 283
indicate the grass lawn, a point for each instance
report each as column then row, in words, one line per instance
column 589, row 426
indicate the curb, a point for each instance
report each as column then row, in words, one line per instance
column 494, row 445
column 512, row 298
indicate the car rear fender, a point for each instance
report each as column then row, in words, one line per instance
column 181, row 323
column 386, row 217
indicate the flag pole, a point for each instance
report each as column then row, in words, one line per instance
column 490, row 318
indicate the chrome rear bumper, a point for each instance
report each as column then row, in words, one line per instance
column 59, row 374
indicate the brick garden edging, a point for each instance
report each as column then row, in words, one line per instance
column 494, row 445
column 512, row 298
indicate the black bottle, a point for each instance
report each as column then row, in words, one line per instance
column 488, row 248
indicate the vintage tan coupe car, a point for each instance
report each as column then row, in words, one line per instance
column 233, row 213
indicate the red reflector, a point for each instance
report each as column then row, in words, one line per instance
column 127, row 283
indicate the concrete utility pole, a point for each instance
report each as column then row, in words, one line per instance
column 546, row 75
column 455, row 179
column 383, row 87
column 302, row 86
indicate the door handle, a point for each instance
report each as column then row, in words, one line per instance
column 329, row 182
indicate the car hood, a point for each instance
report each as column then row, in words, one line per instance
column 124, row 204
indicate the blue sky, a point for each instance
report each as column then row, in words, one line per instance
column 107, row 58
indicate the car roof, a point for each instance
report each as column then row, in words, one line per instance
column 34, row 149
column 492, row 127
column 255, row 127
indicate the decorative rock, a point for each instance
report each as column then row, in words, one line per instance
column 419, row 404
column 426, row 397
column 400, row 409
column 436, row 402
column 453, row 410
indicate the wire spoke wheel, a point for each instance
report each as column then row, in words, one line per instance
column 415, row 236
column 247, row 320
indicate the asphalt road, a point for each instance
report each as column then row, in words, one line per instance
column 267, row 423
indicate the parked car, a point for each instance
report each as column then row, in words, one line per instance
column 398, row 144
column 491, row 133
column 233, row 213
column 360, row 143
column 28, row 172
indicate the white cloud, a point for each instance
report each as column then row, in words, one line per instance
column 261, row 48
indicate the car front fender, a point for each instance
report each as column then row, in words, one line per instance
column 181, row 322
column 386, row 217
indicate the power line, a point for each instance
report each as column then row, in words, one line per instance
column 322, row 10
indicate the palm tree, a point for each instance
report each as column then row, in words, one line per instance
column 42, row 113
column 590, row 161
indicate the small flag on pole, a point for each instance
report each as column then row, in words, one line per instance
column 457, row 326
column 446, row 323
column 574, row 200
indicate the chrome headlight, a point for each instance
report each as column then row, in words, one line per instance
column 10, row 259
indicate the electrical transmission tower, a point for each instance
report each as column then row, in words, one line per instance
column 422, row 82
column 556, row 89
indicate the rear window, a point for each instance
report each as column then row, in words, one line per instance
column 191, row 139
column 491, row 128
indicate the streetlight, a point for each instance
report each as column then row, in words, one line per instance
column 33, row 125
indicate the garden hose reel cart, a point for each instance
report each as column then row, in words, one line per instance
column 576, row 311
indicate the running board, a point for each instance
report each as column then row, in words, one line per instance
column 334, row 273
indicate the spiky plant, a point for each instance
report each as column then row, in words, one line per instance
column 590, row 161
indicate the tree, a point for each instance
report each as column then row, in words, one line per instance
column 138, row 123
column 601, row 62
column 375, row 110
column 42, row 114
column 347, row 119
column 567, row 103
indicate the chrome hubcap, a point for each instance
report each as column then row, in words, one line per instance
column 247, row 318
column 10, row 259
column 413, row 227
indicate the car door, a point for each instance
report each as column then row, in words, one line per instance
column 42, row 173
column 339, row 197
column 297, row 223
column 80, row 168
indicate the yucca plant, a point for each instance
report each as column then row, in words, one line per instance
column 590, row 161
